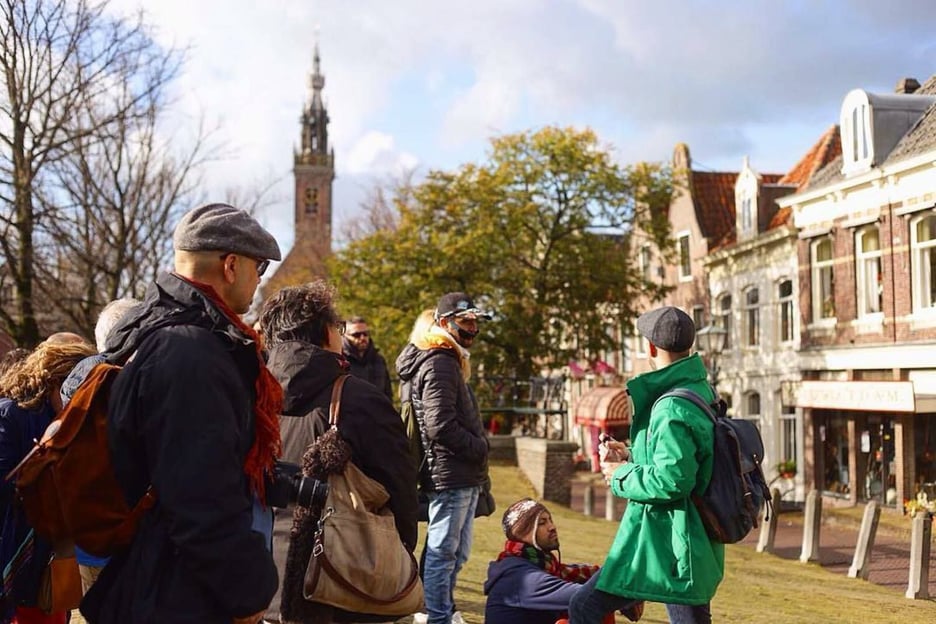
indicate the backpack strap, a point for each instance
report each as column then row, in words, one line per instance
column 691, row 396
column 334, row 408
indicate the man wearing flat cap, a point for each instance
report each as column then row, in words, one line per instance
column 661, row 552
column 528, row 583
column 435, row 369
column 193, row 418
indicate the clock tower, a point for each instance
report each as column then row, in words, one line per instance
column 313, row 172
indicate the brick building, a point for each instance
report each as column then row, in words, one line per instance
column 866, row 251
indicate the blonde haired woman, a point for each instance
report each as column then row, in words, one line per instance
column 30, row 391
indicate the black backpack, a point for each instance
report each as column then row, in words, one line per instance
column 731, row 503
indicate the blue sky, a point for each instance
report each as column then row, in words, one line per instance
column 424, row 84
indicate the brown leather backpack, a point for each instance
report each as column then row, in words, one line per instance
column 66, row 484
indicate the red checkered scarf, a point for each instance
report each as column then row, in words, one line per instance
column 573, row 573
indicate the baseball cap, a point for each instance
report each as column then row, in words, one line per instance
column 668, row 328
column 459, row 304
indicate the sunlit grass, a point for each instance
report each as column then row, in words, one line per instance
column 758, row 588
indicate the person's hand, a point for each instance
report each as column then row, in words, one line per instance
column 608, row 468
column 250, row 619
column 612, row 451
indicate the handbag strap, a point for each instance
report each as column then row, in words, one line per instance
column 334, row 408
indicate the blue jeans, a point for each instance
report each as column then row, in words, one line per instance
column 448, row 543
column 589, row 605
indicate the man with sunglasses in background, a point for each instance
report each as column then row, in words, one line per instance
column 435, row 365
column 193, row 419
column 364, row 358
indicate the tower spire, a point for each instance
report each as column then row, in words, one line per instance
column 314, row 119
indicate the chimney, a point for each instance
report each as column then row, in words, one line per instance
column 907, row 86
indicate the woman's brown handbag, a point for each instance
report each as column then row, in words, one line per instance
column 359, row 563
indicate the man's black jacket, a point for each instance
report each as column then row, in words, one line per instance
column 181, row 418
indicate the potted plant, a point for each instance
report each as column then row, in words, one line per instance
column 787, row 468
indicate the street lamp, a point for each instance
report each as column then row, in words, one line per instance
column 712, row 341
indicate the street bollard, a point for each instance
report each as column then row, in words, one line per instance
column 811, row 526
column 588, row 500
column 768, row 529
column 609, row 505
column 869, row 523
column 918, row 587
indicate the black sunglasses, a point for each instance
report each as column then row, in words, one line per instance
column 359, row 334
column 262, row 265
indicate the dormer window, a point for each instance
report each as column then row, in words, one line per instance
column 747, row 214
column 857, row 146
column 746, row 188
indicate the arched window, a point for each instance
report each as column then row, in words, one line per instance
column 724, row 318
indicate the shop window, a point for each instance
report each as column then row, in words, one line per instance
column 785, row 312
column 870, row 290
column 923, row 261
column 833, row 434
column 752, row 317
column 876, row 450
column 823, row 295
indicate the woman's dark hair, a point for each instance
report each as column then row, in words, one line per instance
column 299, row 313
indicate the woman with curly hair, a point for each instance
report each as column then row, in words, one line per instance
column 303, row 332
column 30, row 391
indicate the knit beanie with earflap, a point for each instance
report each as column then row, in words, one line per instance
column 520, row 521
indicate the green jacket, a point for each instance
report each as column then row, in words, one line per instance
column 662, row 552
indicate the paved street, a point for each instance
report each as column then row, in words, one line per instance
column 889, row 561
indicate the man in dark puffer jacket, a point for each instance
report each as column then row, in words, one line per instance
column 436, row 367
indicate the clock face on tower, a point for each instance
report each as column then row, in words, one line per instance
column 311, row 200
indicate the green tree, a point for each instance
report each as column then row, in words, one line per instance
column 541, row 234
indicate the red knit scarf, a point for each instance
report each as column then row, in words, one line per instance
column 573, row 573
column 268, row 404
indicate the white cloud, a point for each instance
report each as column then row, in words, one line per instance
column 428, row 82
column 375, row 153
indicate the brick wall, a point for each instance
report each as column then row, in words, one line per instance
column 548, row 464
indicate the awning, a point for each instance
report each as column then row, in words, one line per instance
column 603, row 406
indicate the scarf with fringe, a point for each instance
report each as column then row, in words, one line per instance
column 573, row 573
column 267, row 445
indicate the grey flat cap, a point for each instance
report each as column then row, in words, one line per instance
column 220, row 227
column 668, row 328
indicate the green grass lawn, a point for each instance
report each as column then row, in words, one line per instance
column 758, row 588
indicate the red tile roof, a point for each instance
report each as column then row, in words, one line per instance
column 714, row 197
column 825, row 150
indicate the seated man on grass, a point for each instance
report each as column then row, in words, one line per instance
column 528, row 584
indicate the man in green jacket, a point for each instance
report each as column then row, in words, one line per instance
column 661, row 552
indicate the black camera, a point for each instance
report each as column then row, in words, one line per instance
column 287, row 485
